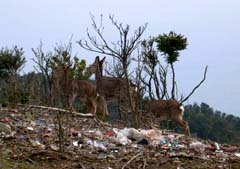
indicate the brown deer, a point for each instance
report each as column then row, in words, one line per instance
column 82, row 89
column 173, row 109
column 170, row 109
column 110, row 87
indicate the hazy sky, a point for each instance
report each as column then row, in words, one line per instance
column 211, row 26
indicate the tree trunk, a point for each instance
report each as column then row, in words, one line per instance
column 173, row 81
column 133, row 108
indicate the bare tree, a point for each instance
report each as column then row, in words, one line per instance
column 43, row 66
column 156, row 80
column 184, row 99
column 173, row 109
column 123, row 49
column 67, row 86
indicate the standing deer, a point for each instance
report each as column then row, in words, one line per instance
column 170, row 109
column 173, row 109
column 110, row 87
column 82, row 89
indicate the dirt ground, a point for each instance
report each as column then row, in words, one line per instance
column 33, row 142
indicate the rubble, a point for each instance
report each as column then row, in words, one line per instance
column 89, row 143
column 5, row 129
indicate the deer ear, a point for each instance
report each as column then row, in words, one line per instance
column 103, row 59
column 97, row 58
column 181, row 107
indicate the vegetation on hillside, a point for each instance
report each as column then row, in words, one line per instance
column 153, row 60
column 208, row 123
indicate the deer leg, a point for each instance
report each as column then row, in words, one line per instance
column 184, row 124
column 71, row 100
column 104, row 104
column 89, row 105
column 169, row 125
column 93, row 105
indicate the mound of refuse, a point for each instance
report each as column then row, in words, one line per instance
column 43, row 138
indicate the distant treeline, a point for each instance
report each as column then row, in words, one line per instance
column 204, row 121
column 207, row 123
column 154, row 77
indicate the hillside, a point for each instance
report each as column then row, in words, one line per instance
column 207, row 123
column 33, row 138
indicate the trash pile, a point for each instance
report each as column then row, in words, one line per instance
column 32, row 136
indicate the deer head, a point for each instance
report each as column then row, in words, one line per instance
column 109, row 87
column 100, row 63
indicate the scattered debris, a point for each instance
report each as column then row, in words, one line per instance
column 92, row 144
column 5, row 129
column 198, row 146
column 237, row 154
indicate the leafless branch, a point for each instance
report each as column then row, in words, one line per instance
column 163, row 71
column 134, row 157
column 58, row 110
column 195, row 88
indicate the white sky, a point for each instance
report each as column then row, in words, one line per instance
column 211, row 26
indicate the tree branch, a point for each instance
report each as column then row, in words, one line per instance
column 195, row 88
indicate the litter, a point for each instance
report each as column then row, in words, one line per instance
column 112, row 145
column 95, row 144
column 237, row 154
column 54, row 147
column 5, row 128
column 30, row 128
column 198, row 146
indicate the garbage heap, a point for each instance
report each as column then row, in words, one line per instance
column 30, row 135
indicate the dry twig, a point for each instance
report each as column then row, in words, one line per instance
column 58, row 110
column 134, row 157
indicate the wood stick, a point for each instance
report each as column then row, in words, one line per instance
column 58, row 109
column 134, row 157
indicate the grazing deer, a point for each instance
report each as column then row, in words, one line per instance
column 109, row 87
column 173, row 109
column 82, row 89
column 170, row 109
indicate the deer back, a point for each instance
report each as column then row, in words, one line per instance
column 111, row 86
column 166, row 108
column 82, row 88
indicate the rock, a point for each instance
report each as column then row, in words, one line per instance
column 36, row 143
column 54, row 147
column 102, row 156
column 237, row 154
column 30, row 128
column 5, row 128
column 110, row 156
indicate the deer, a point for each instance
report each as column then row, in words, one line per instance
column 168, row 109
column 173, row 109
column 82, row 89
column 110, row 88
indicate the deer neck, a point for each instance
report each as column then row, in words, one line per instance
column 98, row 75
